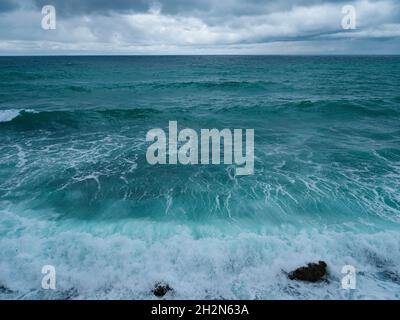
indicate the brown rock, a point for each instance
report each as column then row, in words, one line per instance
column 161, row 289
column 313, row 272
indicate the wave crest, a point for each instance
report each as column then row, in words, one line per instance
column 8, row 115
column 11, row 114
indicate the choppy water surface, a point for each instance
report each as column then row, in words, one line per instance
column 77, row 192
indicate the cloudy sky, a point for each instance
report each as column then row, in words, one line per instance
column 199, row 27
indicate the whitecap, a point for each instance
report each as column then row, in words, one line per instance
column 11, row 114
column 8, row 115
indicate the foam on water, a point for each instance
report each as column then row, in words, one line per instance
column 77, row 192
column 8, row 115
column 123, row 259
column 11, row 114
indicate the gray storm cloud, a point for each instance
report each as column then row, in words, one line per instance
column 199, row 26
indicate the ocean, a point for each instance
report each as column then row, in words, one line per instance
column 77, row 193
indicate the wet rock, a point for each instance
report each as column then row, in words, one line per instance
column 161, row 289
column 5, row 290
column 313, row 272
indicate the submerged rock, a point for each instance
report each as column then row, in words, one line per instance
column 161, row 289
column 5, row 290
column 313, row 272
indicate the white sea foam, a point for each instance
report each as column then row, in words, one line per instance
column 10, row 114
column 124, row 259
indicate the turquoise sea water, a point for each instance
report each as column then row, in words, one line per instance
column 76, row 191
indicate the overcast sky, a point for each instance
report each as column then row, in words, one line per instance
column 199, row 27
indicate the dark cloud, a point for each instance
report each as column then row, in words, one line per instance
column 7, row 5
column 195, row 7
column 78, row 7
column 186, row 26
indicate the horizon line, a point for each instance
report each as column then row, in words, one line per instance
column 200, row 54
